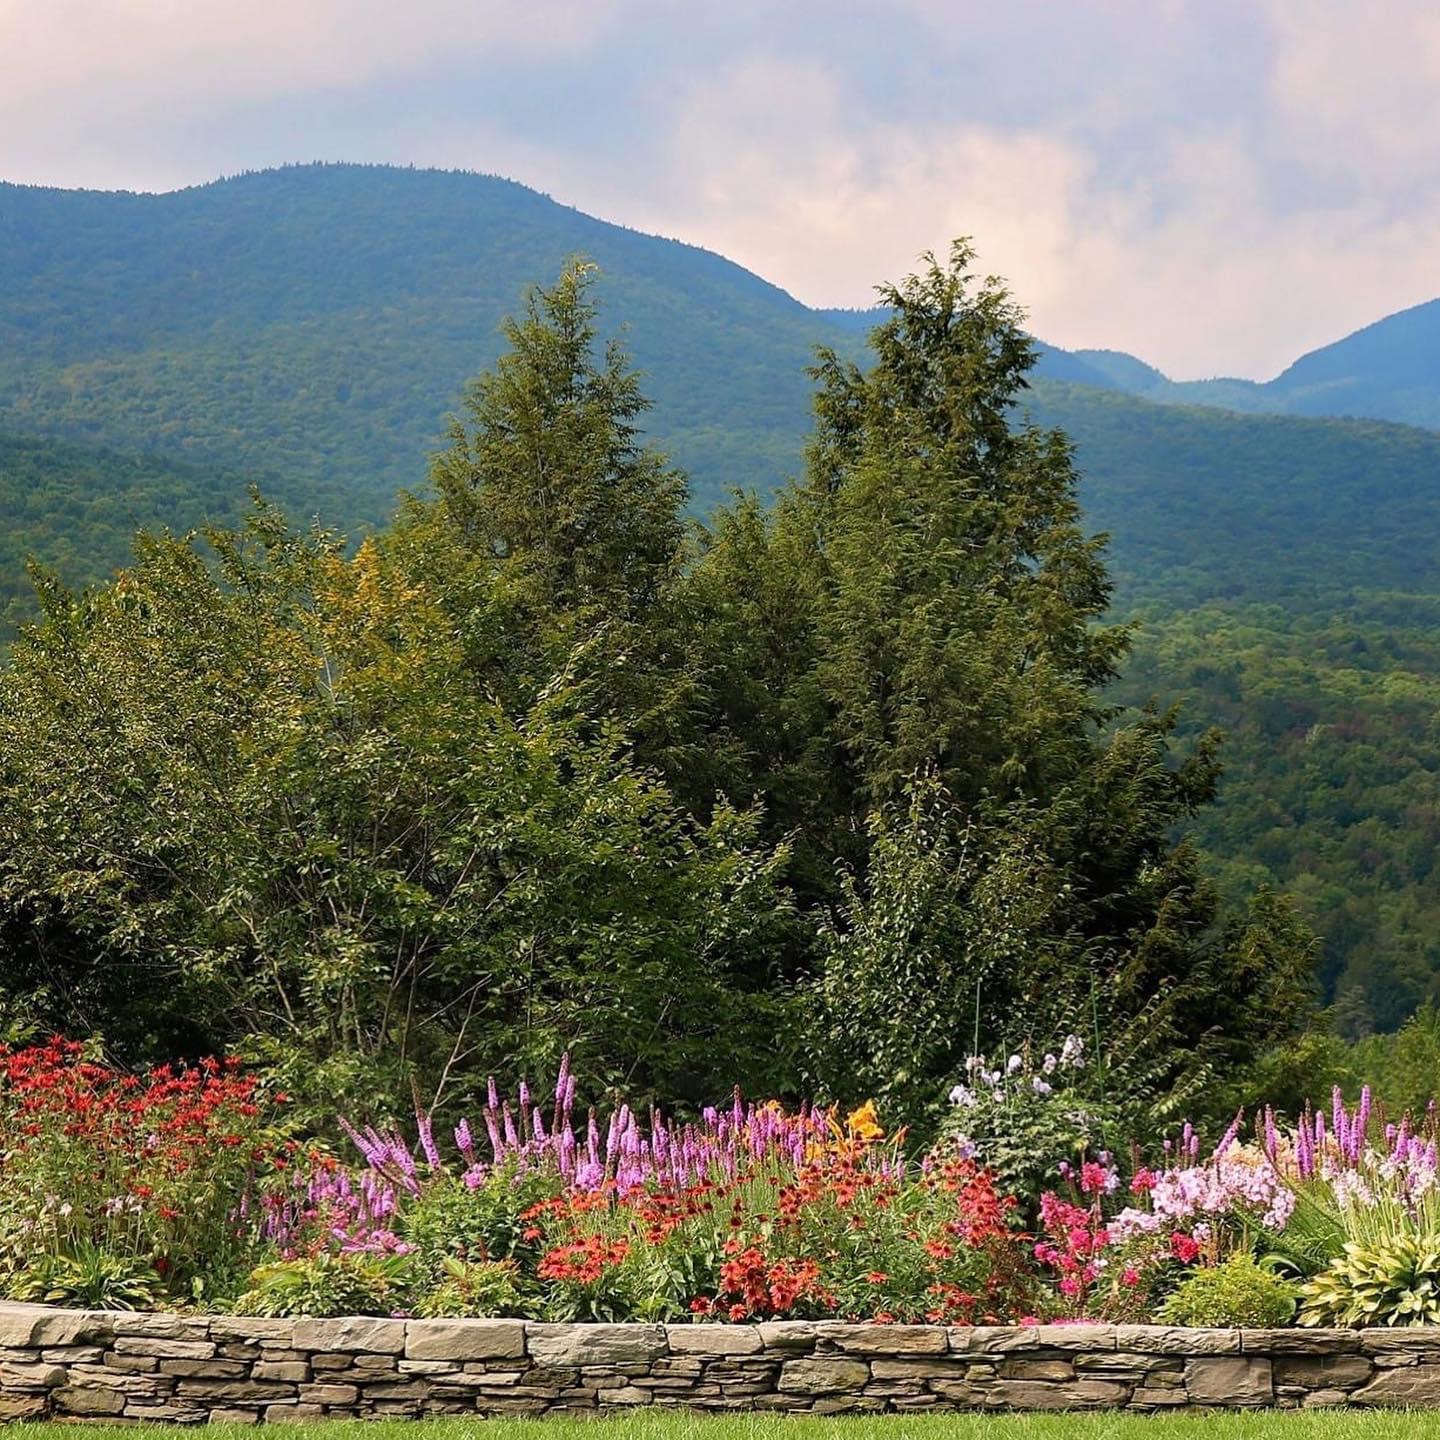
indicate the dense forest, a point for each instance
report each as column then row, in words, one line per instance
column 1278, row 566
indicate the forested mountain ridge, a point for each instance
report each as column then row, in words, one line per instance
column 322, row 320
column 1386, row 371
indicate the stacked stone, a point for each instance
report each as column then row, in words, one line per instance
column 82, row 1365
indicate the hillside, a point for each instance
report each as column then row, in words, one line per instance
column 320, row 321
column 1206, row 504
column 1388, row 371
column 309, row 328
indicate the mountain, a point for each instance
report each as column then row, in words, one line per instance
column 320, row 321
column 1206, row 505
column 1388, row 371
column 310, row 327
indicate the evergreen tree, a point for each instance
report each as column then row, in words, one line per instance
column 940, row 623
column 550, row 477
column 550, row 503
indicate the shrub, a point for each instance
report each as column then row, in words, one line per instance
column 475, row 1217
column 348, row 1283
column 1396, row 1282
column 477, row 1289
column 1237, row 1292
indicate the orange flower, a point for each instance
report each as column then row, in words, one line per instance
column 864, row 1123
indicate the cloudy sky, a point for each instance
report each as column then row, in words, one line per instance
column 1216, row 185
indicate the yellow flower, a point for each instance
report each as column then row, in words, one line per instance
column 864, row 1122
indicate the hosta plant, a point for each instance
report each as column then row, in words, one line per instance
column 1395, row 1282
column 91, row 1278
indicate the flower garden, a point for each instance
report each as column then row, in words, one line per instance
column 183, row 1189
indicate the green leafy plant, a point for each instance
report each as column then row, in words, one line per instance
column 477, row 1289
column 329, row 1284
column 1395, row 1282
column 452, row 1219
column 90, row 1278
column 1238, row 1291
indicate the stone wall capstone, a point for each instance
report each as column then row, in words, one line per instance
column 102, row 1365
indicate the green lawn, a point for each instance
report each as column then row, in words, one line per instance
column 1271, row 1425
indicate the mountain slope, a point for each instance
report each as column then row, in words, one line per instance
column 76, row 508
column 321, row 320
column 1388, row 371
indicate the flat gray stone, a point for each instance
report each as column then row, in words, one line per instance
column 351, row 1333
column 248, row 1329
column 925, row 1367
column 1176, row 1340
column 29, row 1326
column 82, row 1400
column 713, row 1339
column 37, row 1376
column 166, row 1349
column 1411, row 1346
column 465, row 1340
column 994, row 1339
column 160, row 1326
column 1226, row 1380
column 823, row 1375
column 1090, row 1338
column 1298, row 1341
column 884, row 1339
column 1417, row 1385
column 1320, row 1372
column 1062, row 1395
column 1325, row 1399
column 1025, row 1368
column 791, row 1335
column 28, row 1406
column 557, row 1346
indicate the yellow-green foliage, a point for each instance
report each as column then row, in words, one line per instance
column 1238, row 1292
column 1394, row 1283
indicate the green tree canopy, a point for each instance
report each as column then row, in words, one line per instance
column 906, row 660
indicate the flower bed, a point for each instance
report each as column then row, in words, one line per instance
column 181, row 1190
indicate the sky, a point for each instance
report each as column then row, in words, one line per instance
column 1214, row 185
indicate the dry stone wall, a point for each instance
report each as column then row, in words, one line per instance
column 82, row 1365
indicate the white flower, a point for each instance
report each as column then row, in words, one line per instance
column 1013, row 1064
column 1039, row 1086
column 66, row 1208
column 1047, row 1066
column 974, row 1063
column 963, row 1096
column 1072, row 1052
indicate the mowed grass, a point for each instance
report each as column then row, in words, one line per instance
column 681, row 1425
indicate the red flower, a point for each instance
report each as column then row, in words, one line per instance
column 1185, row 1248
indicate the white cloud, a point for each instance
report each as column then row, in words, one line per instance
column 1195, row 260
column 95, row 89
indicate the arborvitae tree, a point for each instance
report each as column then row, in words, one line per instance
column 925, row 603
column 550, row 475
column 571, row 526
